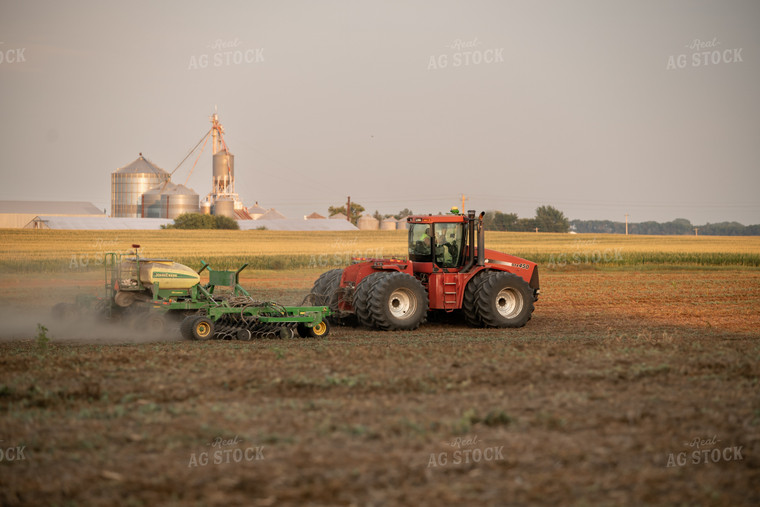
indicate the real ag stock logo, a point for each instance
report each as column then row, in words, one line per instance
column 704, row 53
column 704, row 450
column 466, row 450
column 226, row 53
column 12, row 453
column 11, row 55
column 226, row 452
column 465, row 53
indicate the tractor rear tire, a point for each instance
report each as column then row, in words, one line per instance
column 397, row 301
column 361, row 299
column 322, row 291
column 469, row 303
column 326, row 292
column 504, row 300
column 201, row 328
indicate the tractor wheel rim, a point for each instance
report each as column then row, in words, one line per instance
column 508, row 303
column 320, row 328
column 203, row 329
column 402, row 304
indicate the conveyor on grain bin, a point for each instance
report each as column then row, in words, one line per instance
column 146, row 294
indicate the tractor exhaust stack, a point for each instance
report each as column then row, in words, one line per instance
column 481, row 240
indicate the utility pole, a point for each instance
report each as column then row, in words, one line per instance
column 626, row 224
column 348, row 209
column 696, row 231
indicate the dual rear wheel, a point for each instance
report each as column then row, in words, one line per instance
column 390, row 300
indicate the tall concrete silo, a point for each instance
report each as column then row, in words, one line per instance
column 129, row 183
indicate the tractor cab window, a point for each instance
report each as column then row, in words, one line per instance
column 420, row 242
column 448, row 245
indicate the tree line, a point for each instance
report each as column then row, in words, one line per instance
column 547, row 219
column 550, row 219
column 679, row 226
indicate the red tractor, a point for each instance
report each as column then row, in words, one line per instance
column 445, row 272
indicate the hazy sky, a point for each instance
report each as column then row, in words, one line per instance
column 600, row 108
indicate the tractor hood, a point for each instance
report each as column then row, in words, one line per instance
column 522, row 267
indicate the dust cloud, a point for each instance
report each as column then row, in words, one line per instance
column 20, row 323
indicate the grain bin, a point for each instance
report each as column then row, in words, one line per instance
column 225, row 206
column 151, row 202
column 178, row 199
column 129, row 183
column 368, row 223
column 389, row 224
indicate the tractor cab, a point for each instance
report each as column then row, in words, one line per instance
column 439, row 242
column 445, row 242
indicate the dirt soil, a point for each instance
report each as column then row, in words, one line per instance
column 625, row 388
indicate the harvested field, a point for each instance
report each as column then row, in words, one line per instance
column 626, row 387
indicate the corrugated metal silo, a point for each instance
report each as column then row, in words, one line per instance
column 368, row 223
column 389, row 224
column 206, row 208
column 225, row 206
column 151, row 202
column 129, row 183
column 178, row 199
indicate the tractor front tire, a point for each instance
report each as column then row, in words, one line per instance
column 397, row 301
column 504, row 300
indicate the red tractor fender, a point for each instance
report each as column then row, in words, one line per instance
column 523, row 268
column 354, row 273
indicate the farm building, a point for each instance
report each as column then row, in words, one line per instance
column 18, row 214
column 101, row 223
column 271, row 214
